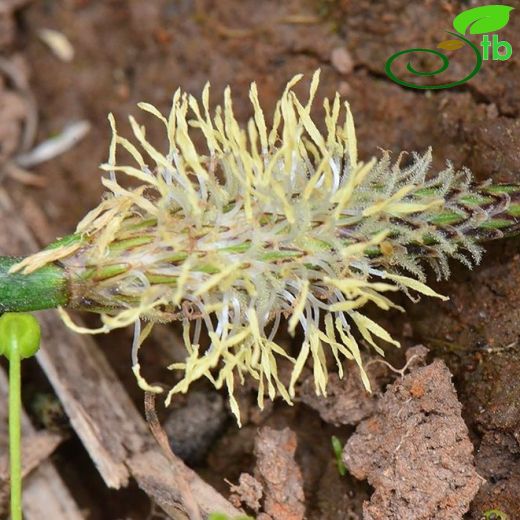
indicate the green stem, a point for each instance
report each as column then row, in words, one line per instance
column 19, row 339
column 45, row 288
column 15, row 405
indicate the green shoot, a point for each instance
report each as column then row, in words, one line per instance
column 495, row 514
column 19, row 339
column 337, row 448
column 222, row 516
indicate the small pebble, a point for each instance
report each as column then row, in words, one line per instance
column 193, row 428
column 344, row 89
column 342, row 60
column 492, row 111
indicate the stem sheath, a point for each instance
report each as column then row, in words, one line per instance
column 45, row 288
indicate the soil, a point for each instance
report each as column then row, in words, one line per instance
column 126, row 51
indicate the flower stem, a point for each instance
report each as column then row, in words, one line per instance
column 19, row 339
column 15, row 404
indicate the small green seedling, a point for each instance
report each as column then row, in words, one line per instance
column 495, row 514
column 19, row 339
column 222, row 516
column 337, row 448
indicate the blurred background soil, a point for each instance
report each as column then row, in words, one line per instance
column 131, row 51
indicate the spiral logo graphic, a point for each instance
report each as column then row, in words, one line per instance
column 444, row 65
column 479, row 20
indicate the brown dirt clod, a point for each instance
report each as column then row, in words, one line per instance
column 347, row 401
column 279, row 474
column 248, row 491
column 416, row 451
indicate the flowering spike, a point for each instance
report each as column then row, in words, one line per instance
column 268, row 223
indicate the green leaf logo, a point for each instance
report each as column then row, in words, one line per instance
column 484, row 19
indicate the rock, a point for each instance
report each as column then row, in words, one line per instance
column 193, row 428
column 342, row 60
